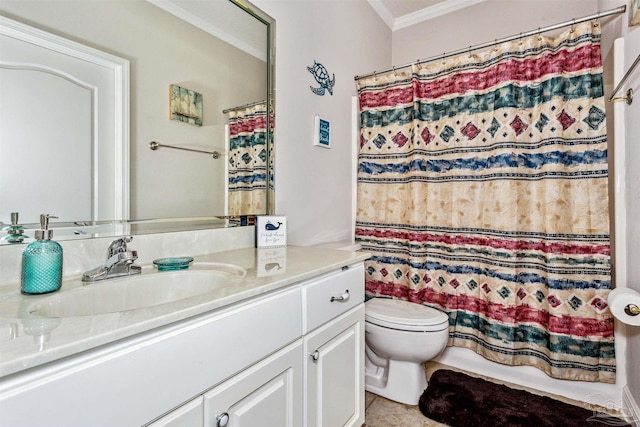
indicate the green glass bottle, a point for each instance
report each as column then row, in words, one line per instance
column 42, row 262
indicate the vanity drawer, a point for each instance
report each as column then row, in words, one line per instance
column 317, row 295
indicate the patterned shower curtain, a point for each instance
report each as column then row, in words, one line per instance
column 482, row 191
column 248, row 160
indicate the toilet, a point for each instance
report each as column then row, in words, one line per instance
column 400, row 336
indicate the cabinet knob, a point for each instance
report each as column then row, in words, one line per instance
column 222, row 419
column 344, row 297
column 315, row 356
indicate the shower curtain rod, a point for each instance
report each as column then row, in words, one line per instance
column 251, row 104
column 617, row 10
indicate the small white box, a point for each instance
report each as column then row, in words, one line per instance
column 271, row 231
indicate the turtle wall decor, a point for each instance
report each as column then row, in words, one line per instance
column 321, row 75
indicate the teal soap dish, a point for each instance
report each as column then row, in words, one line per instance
column 172, row 264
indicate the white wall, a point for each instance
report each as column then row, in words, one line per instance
column 313, row 184
column 482, row 22
column 495, row 19
column 631, row 187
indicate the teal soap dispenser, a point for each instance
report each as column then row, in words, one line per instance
column 42, row 262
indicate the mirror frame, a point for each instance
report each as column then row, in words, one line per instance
column 118, row 227
column 270, row 23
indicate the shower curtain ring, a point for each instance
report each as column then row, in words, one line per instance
column 539, row 35
column 573, row 23
column 469, row 51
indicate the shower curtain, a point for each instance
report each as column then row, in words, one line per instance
column 482, row 191
column 248, row 160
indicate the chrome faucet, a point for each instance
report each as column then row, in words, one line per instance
column 119, row 262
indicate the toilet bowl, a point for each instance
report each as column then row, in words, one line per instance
column 399, row 337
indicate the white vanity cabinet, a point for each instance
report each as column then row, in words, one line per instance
column 322, row 373
column 289, row 358
column 188, row 415
column 267, row 394
column 334, row 372
column 334, row 349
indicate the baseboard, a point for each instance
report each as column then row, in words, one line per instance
column 630, row 407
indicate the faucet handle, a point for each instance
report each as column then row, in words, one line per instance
column 118, row 246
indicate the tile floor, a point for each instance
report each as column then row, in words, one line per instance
column 381, row 412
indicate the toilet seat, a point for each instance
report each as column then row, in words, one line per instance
column 404, row 315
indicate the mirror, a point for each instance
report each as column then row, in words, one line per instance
column 221, row 51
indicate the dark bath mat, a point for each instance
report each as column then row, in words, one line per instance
column 459, row 400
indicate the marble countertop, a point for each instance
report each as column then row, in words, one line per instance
column 27, row 341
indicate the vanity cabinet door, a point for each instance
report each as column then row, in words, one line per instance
column 334, row 366
column 267, row 394
column 188, row 415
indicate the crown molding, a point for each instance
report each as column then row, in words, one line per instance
column 418, row 16
column 425, row 14
column 208, row 27
column 382, row 11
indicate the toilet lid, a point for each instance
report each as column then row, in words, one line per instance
column 385, row 311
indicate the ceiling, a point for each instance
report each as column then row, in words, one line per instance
column 404, row 13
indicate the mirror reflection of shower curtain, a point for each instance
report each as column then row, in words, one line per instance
column 247, row 160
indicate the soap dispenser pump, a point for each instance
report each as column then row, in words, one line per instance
column 42, row 262
column 14, row 231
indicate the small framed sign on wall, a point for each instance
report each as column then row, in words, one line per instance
column 321, row 132
column 185, row 105
column 634, row 12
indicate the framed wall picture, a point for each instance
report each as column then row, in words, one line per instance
column 321, row 132
column 634, row 12
column 185, row 105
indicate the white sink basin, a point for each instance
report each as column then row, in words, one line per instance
column 140, row 291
